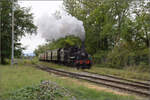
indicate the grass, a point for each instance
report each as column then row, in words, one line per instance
column 17, row 77
column 13, row 78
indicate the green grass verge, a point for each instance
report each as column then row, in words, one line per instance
column 13, row 78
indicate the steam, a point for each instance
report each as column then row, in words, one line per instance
column 59, row 25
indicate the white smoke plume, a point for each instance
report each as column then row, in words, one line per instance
column 60, row 25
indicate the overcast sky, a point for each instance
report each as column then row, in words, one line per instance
column 38, row 8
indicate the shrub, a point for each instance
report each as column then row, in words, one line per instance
column 47, row 90
column 100, row 57
column 121, row 57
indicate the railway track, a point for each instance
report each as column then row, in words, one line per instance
column 147, row 83
column 137, row 88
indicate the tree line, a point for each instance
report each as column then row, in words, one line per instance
column 117, row 31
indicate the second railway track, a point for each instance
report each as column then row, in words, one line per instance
column 140, row 89
column 147, row 83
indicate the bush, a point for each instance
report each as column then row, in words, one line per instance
column 47, row 90
column 100, row 57
column 121, row 57
column 138, row 69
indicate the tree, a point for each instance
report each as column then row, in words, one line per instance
column 116, row 28
column 60, row 43
column 142, row 24
column 23, row 24
column 102, row 19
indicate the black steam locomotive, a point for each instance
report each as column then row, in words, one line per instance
column 71, row 56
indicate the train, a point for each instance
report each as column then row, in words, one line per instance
column 71, row 56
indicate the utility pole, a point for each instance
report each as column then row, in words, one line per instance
column 12, row 53
column 0, row 34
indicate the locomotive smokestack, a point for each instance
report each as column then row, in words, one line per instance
column 83, row 45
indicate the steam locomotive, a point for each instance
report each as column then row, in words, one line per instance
column 70, row 56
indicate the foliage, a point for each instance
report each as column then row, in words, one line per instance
column 117, row 31
column 122, row 56
column 47, row 90
column 102, row 20
column 23, row 24
column 60, row 43
column 100, row 57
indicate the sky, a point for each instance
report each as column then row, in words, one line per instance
column 38, row 8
